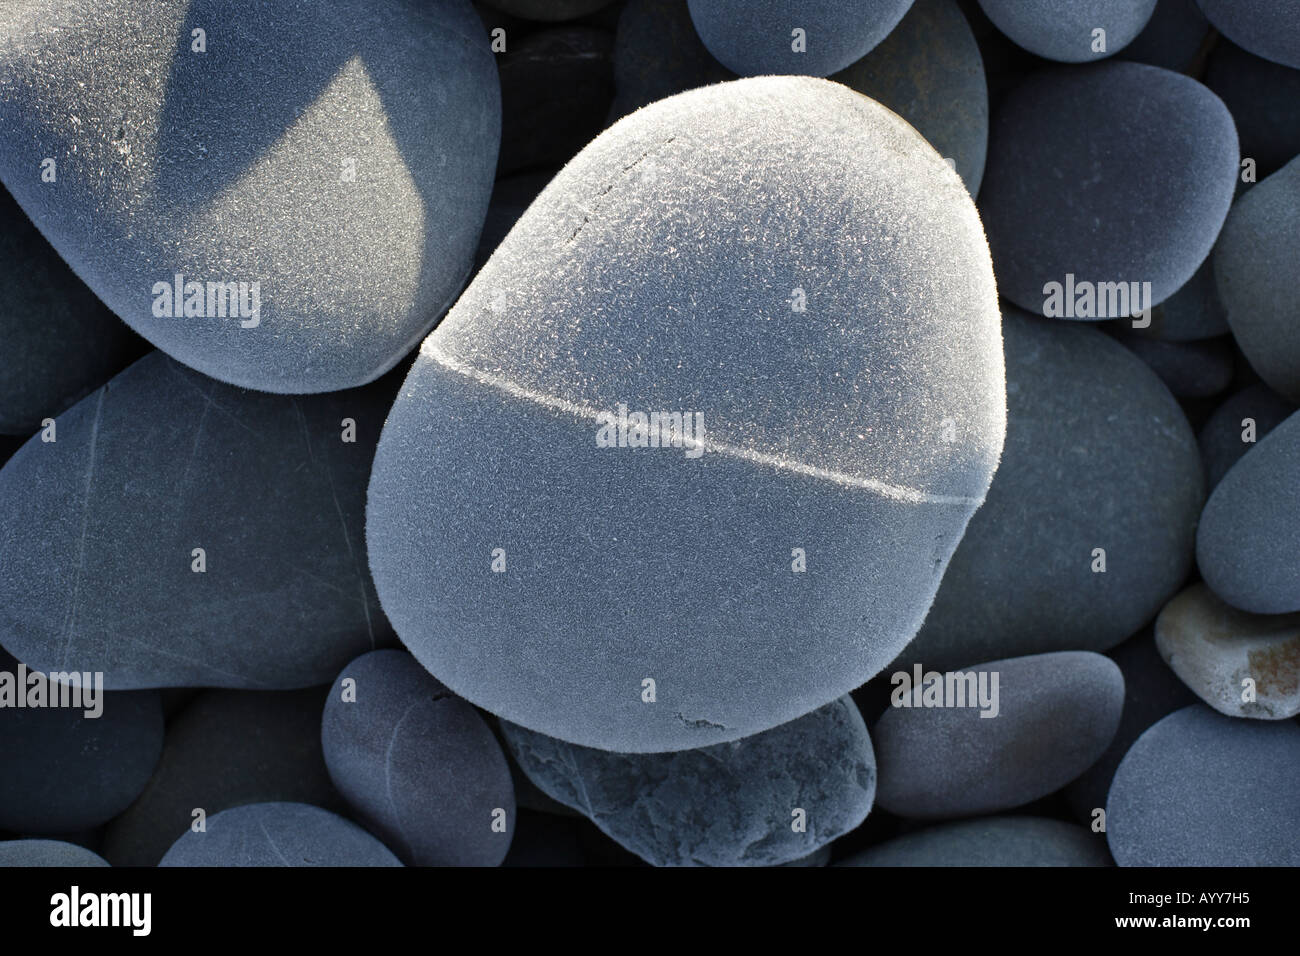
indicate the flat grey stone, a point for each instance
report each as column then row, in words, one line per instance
column 47, row 853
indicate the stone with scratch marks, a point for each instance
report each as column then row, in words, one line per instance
column 278, row 834
column 991, row 841
column 1203, row 789
column 728, row 804
column 658, row 271
column 159, row 462
column 231, row 165
column 1213, row 648
column 1063, row 31
column 226, row 749
column 62, row 771
column 47, row 853
column 418, row 764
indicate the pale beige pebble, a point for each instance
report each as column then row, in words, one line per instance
column 1213, row 648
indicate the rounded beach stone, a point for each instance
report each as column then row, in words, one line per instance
column 808, row 37
column 1048, row 718
column 278, row 834
column 1236, row 427
column 1264, row 99
column 1248, row 541
column 60, row 341
column 834, row 359
column 1067, row 31
column 1202, row 789
column 769, row 799
column 61, row 770
column 313, row 151
column 990, row 841
column 1267, row 28
column 418, row 764
column 547, row 9
column 929, row 71
column 47, row 853
column 1138, row 198
column 1242, row 665
column 1199, row 369
column 1151, row 690
column 1098, row 456
column 1254, row 265
column 1172, row 38
column 657, row 54
column 226, row 749
column 192, row 533
column 1191, row 314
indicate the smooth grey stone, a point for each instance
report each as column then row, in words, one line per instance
column 1115, row 172
column 1199, row 369
column 1063, row 31
column 1267, row 28
column 929, row 71
column 47, row 853
column 1254, row 265
column 731, row 804
column 657, row 54
column 159, row 462
column 1264, row 99
column 1202, row 789
column 1248, row 542
column 278, row 834
column 1223, row 437
column 61, row 770
column 60, row 341
column 547, row 9
column 228, row 748
column 230, row 166
column 863, row 430
column 1151, row 690
column 1172, row 38
column 1216, row 649
column 556, row 89
column 756, row 37
column 1192, row 313
column 990, row 841
column 419, row 765
column 1053, row 715
column 1098, row 455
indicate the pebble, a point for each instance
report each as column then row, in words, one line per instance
column 1267, row 28
column 1236, row 427
column 1172, row 38
column 657, row 54
column 1199, row 369
column 1067, row 31
column 47, row 853
column 990, row 841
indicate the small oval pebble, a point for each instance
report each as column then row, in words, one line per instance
column 990, row 841
column 1139, row 199
column 854, row 425
column 1067, row 31
column 1248, row 542
column 193, row 533
column 1254, row 265
column 226, row 749
column 769, row 799
column 1202, row 789
column 1236, row 427
column 1020, row 729
column 808, row 37
column 1267, row 28
column 418, row 764
column 278, row 834
column 1242, row 665
column 47, row 853
column 1098, row 456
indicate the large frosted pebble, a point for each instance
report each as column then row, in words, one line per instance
column 1067, row 31
column 1248, row 541
column 278, row 834
column 1099, row 457
column 226, row 749
column 1236, row 427
column 772, row 798
column 1202, row 789
column 418, row 764
column 808, row 37
column 997, row 746
column 1242, row 665
column 1267, row 28
column 47, row 853
column 339, row 155
column 1139, row 199
column 794, row 269
column 1254, row 265
column 990, row 841
column 192, row 533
